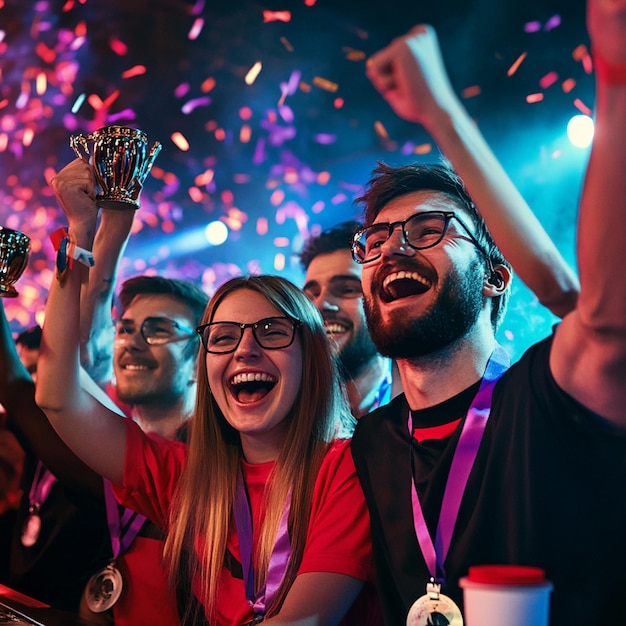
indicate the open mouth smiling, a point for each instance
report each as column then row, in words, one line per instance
column 403, row 284
column 334, row 328
column 251, row 386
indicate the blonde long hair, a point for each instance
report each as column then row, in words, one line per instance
column 201, row 512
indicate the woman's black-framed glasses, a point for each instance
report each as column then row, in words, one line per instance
column 271, row 333
column 421, row 231
column 156, row 331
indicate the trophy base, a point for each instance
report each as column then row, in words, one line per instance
column 7, row 291
column 117, row 204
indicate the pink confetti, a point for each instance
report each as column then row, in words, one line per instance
column 276, row 16
column 532, row 27
column 119, row 47
column 190, row 105
column 548, row 80
column 196, row 29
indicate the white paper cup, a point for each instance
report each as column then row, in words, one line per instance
column 506, row 595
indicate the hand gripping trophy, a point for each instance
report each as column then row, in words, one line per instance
column 14, row 249
column 121, row 161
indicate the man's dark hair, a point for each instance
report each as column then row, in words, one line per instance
column 187, row 293
column 388, row 183
column 30, row 338
column 338, row 237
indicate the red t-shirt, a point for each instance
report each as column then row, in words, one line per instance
column 338, row 538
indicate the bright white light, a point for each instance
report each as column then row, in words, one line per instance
column 580, row 131
column 216, row 233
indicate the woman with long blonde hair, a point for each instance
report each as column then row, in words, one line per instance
column 264, row 515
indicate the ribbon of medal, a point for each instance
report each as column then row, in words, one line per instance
column 279, row 558
column 38, row 494
column 462, row 462
column 105, row 587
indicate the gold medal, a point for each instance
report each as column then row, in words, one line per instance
column 31, row 530
column 103, row 589
column 434, row 609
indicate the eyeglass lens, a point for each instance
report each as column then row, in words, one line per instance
column 422, row 230
column 154, row 330
column 271, row 333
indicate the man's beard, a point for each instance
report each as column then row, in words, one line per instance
column 160, row 395
column 356, row 355
column 450, row 317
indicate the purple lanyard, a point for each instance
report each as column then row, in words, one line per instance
column 120, row 541
column 462, row 463
column 40, row 488
column 278, row 559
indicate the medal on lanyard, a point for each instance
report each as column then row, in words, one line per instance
column 435, row 608
column 39, row 491
column 104, row 588
column 279, row 559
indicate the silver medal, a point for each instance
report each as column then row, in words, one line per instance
column 103, row 589
column 31, row 530
column 434, row 609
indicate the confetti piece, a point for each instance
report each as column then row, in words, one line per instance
column 287, row 44
column 532, row 27
column 516, row 65
column 325, row 139
column 279, row 262
column 253, row 73
column 380, row 129
column 207, row 85
column 471, row 92
column 354, row 55
column 137, row 70
column 276, row 16
column 327, row 85
column 534, row 97
column 196, row 29
column 119, row 47
column 552, row 23
column 568, row 84
column 179, row 141
column 424, row 148
column 582, row 107
column 548, row 80
column 262, row 227
column 245, row 133
column 191, row 105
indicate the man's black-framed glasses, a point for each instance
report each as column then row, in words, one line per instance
column 156, row 331
column 271, row 333
column 420, row 231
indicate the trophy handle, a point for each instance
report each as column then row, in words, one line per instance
column 149, row 162
column 80, row 141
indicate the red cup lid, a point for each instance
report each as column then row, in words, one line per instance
column 507, row 575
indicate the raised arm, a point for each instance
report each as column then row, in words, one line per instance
column 410, row 74
column 96, row 326
column 28, row 422
column 589, row 353
column 96, row 434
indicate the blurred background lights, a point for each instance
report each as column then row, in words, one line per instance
column 216, row 233
column 580, row 131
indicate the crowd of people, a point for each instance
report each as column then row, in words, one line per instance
column 331, row 452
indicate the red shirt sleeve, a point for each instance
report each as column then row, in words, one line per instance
column 338, row 539
column 152, row 467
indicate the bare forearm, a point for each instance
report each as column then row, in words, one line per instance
column 515, row 228
column 602, row 217
column 97, row 298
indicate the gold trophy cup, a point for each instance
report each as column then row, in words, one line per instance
column 121, row 162
column 14, row 249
